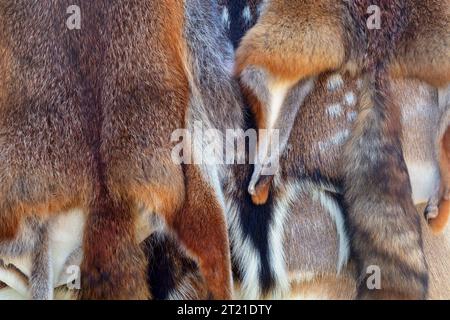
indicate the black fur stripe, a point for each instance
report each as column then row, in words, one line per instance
column 167, row 265
column 255, row 225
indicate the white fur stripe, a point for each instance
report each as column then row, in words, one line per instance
column 15, row 281
column 278, row 93
column 247, row 15
column 226, row 18
column 337, row 215
column 281, row 211
column 245, row 255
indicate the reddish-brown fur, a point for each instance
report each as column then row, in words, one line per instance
column 86, row 122
column 290, row 60
column 424, row 49
column 47, row 163
column 137, row 152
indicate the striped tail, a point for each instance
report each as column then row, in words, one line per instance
column 249, row 231
column 383, row 222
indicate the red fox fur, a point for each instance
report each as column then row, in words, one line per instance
column 86, row 121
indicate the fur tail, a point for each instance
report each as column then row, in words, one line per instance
column 114, row 265
column 249, row 228
column 171, row 274
column 384, row 225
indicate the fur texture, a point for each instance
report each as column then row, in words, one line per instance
column 33, row 240
column 87, row 117
column 238, row 16
column 375, row 172
column 308, row 197
column 216, row 103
